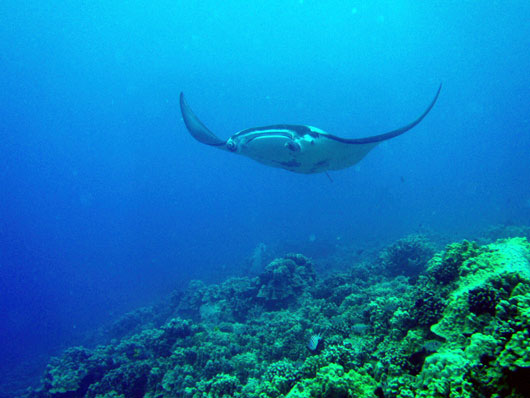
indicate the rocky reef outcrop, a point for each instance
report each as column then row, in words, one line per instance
column 453, row 324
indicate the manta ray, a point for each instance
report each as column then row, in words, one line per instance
column 297, row 148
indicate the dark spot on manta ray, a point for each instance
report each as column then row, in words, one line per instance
column 291, row 163
column 319, row 165
column 293, row 146
column 297, row 148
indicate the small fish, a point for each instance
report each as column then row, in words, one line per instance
column 314, row 341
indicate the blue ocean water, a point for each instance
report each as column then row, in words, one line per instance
column 107, row 203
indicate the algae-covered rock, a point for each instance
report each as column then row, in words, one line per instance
column 284, row 280
column 129, row 379
column 496, row 271
column 444, row 268
column 407, row 256
column 504, row 231
column 443, row 375
column 427, row 306
column 485, row 326
column 75, row 371
column 223, row 385
column 279, row 378
column 516, row 353
column 333, row 382
column 245, row 365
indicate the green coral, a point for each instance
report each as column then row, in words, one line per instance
column 73, row 373
column 459, row 330
column 443, row 375
column 502, row 265
column 407, row 256
column 245, row 365
column 278, row 379
column 516, row 353
column 130, row 380
column 483, row 300
column 427, row 306
column 444, row 268
column 223, row 385
column 284, row 280
column 332, row 381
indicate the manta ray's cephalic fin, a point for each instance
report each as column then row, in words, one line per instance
column 197, row 129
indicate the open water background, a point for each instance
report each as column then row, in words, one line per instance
column 107, row 203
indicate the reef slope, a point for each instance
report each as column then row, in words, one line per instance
column 455, row 325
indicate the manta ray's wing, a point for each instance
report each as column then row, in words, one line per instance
column 337, row 153
column 198, row 130
column 329, row 154
column 301, row 149
column 390, row 134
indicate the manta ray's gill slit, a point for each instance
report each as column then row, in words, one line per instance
column 270, row 133
column 291, row 128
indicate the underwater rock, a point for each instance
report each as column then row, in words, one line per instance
column 238, row 298
column 335, row 288
column 483, row 300
column 189, row 302
column 223, row 385
column 72, row 374
column 499, row 268
column 129, row 379
column 504, row 231
column 407, row 256
column 444, row 267
column 428, row 307
column 281, row 376
column 284, row 280
column 131, row 322
column 332, row 381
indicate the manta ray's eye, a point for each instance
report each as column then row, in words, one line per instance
column 231, row 145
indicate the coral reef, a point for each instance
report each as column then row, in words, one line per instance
column 504, row 231
column 284, row 280
column 452, row 324
column 407, row 256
